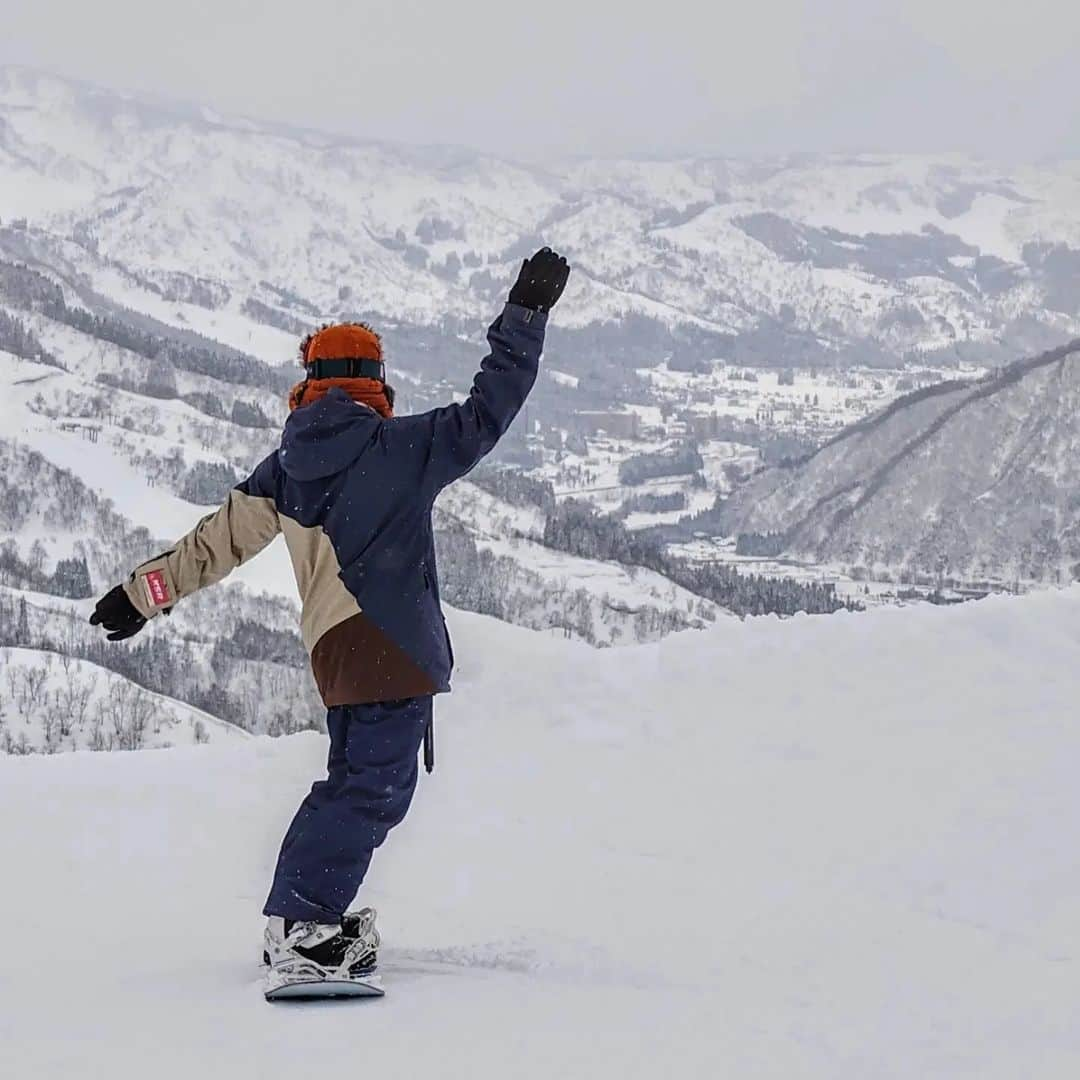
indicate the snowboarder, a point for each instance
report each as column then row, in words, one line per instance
column 351, row 487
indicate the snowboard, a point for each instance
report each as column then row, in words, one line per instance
column 278, row 987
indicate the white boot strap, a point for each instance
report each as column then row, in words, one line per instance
column 310, row 934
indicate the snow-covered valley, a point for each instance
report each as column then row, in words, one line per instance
column 158, row 264
column 779, row 848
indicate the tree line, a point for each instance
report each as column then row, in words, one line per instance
column 16, row 338
column 139, row 334
column 578, row 528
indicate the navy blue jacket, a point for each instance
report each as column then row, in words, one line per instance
column 354, row 493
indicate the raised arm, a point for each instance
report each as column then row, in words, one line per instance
column 449, row 441
column 244, row 524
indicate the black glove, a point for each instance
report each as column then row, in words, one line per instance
column 541, row 281
column 117, row 614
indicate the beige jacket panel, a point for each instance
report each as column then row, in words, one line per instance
column 220, row 542
column 326, row 602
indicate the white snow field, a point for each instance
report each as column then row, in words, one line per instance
column 835, row 847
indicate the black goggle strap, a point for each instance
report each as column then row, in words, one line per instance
column 350, row 368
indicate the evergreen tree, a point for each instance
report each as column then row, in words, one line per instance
column 72, row 579
column 22, row 625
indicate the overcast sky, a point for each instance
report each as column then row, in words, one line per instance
column 577, row 76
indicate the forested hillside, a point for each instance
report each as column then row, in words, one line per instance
column 975, row 482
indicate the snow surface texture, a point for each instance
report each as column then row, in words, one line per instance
column 806, row 848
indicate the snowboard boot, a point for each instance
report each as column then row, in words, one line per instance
column 311, row 950
column 360, row 926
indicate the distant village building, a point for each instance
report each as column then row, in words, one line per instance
column 620, row 425
column 703, row 426
column 90, row 432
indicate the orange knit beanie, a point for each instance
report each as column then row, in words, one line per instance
column 355, row 343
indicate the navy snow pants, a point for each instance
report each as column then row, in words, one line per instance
column 371, row 776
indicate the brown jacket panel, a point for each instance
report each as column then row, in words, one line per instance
column 355, row 662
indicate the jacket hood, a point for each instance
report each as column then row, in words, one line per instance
column 326, row 437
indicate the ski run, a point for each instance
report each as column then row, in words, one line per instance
column 829, row 848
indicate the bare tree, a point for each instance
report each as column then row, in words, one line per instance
column 98, row 739
column 142, row 710
column 129, row 711
column 73, row 701
column 36, row 678
column 38, row 555
column 24, row 684
column 13, row 677
column 50, row 729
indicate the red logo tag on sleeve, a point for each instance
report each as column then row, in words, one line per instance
column 157, row 589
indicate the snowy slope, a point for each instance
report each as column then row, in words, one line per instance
column 52, row 703
column 763, row 850
column 626, row 604
column 975, row 480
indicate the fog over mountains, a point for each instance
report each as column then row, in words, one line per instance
column 777, row 261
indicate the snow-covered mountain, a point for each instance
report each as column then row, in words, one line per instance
column 776, row 259
column 967, row 480
column 158, row 263
column 765, row 850
column 121, row 424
